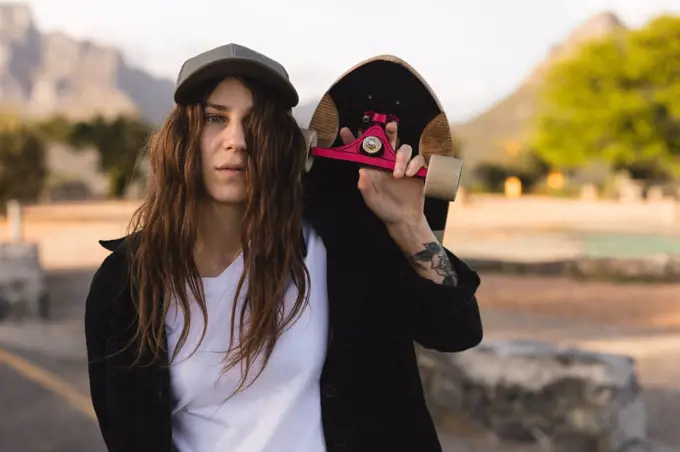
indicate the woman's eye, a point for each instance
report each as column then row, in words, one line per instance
column 214, row 119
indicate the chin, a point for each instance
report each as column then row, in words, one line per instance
column 225, row 192
column 228, row 197
column 229, row 200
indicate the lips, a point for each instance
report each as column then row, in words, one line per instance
column 231, row 167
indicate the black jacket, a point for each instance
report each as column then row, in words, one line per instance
column 371, row 392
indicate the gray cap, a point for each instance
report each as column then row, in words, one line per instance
column 234, row 60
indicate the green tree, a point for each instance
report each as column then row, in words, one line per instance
column 616, row 100
column 119, row 142
column 23, row 167
column 57, row 128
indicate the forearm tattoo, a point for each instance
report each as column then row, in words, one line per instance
column 434, row 257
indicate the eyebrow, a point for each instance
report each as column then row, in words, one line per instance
column 218, row 107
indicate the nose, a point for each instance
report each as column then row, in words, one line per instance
column 234, row 136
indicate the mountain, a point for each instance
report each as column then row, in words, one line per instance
column 47, row 73
column 486, row 137
column 43, row 74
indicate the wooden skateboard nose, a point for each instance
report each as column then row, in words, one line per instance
column 436, row 138
column 386, row 85
column 326, row 122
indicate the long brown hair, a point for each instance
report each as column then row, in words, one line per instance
column 162, row 264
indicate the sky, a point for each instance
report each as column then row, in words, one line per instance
column 472, row 52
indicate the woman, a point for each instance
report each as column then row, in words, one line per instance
column 251, row 309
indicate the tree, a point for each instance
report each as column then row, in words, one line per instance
column 23, row 167
column 528, row 168
column 119, row 142
column 616, row 100
column 54, row 129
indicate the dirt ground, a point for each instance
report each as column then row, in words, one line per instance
column 650, row 305
column 68, row 239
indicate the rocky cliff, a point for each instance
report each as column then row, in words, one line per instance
column 47, row 73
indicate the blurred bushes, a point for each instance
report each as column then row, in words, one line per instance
column 23, row 169
column 611, row 107
column 119, row 141
column 616, row 100
column 23, row 146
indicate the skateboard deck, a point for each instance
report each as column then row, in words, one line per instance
column 367, row 97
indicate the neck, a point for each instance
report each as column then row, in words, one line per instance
column 218, row 241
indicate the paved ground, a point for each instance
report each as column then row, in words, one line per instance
column 43, row 378
column 49, row 389
column 36, row 418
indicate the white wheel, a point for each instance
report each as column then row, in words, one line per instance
column 443, row 177
column 310, row 142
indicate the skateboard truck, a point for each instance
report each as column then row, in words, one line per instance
column 372, row 145
column 371, row 148
column 379, row 118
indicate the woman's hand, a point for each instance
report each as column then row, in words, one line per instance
column 396, row 198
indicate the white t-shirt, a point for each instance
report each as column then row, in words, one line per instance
column 281, row 411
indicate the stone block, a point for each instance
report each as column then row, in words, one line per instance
column 23, row 288
column 532, row 392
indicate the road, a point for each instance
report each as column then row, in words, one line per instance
column 40, row 411
column 44, row 400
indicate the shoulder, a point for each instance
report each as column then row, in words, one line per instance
column 109, row 282
column 122, row 244
column 116, row 265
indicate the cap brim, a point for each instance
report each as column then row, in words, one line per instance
column 236, row 67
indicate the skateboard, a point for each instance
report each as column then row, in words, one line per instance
column 365, row 98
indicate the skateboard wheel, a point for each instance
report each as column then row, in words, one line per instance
column 371, row 145
column 310, row 142
column 443, row 177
